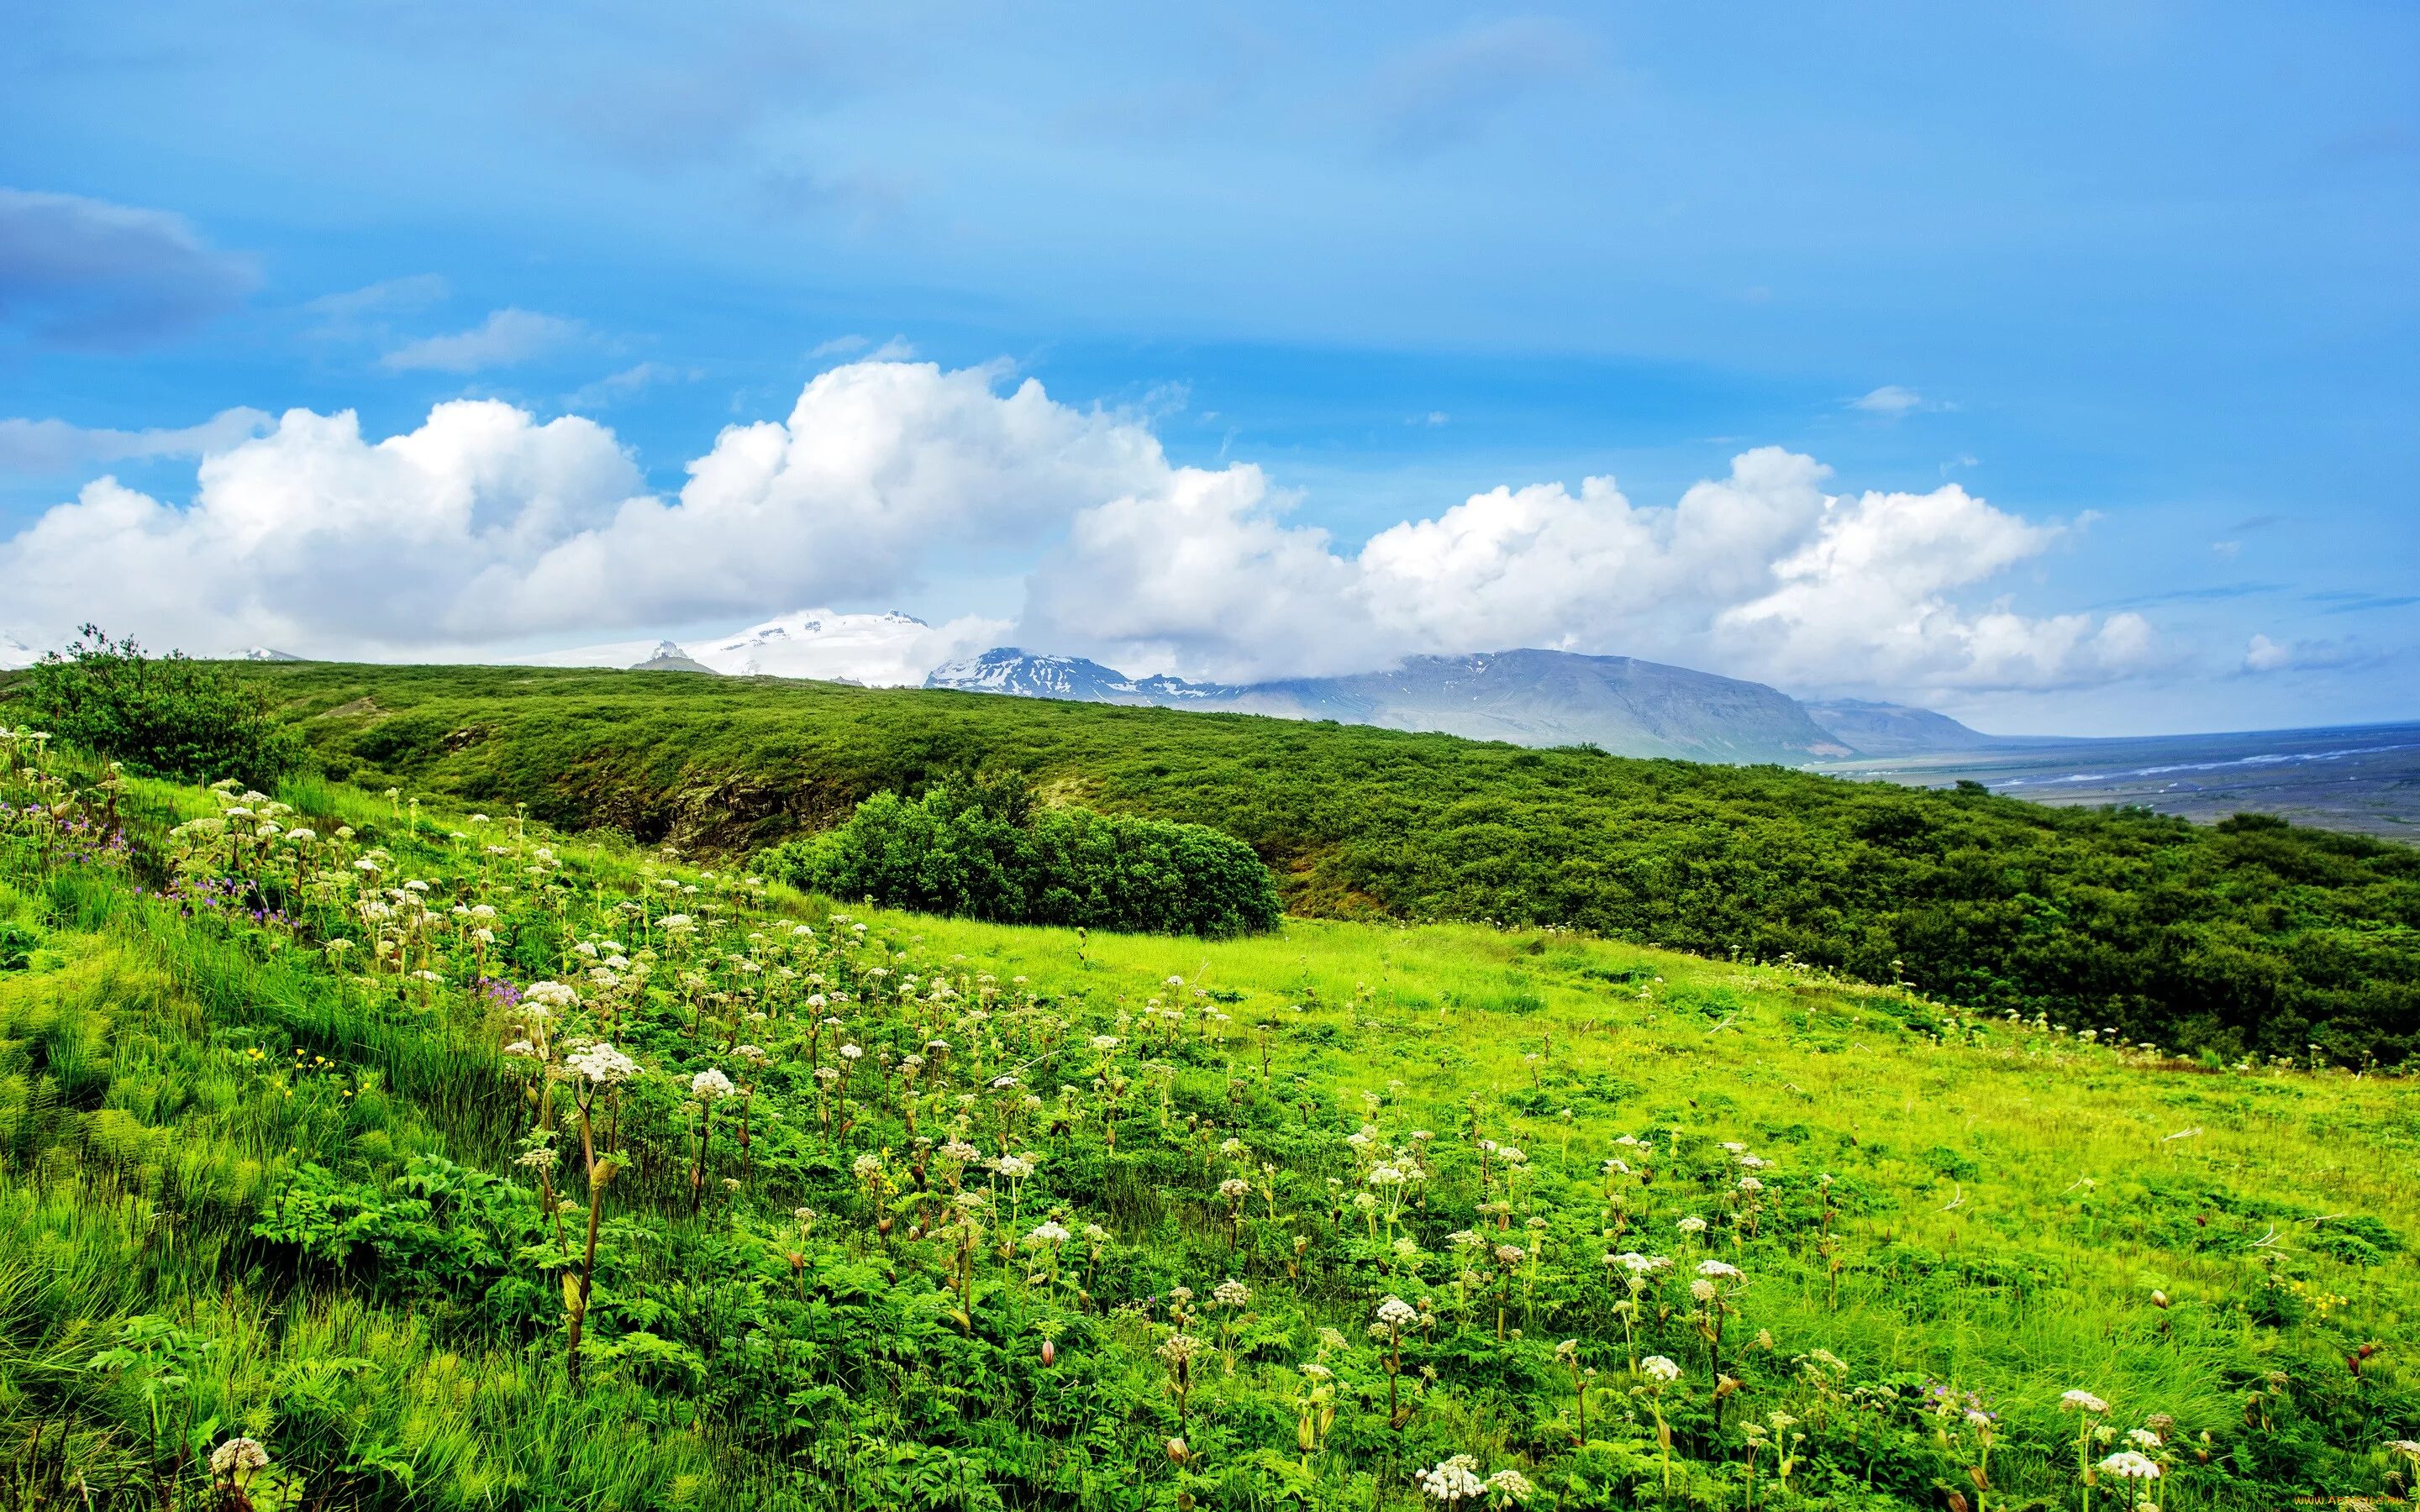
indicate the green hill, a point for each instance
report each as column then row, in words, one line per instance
column 319, row 1191
column 2251, row 937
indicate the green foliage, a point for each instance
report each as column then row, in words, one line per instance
column 2259, row 938
column 160, row 716
column 988, row 852
column 292, row 1152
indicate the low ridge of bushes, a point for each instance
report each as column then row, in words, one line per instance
column 987, row 851
column 166, row 717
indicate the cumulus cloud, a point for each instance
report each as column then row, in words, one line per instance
column 486, row 526
column 311, row 536
column 506, row 337
column 56, row 446
column 1762, row 573
column 82, row 272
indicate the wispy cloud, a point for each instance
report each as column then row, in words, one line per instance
column 1445, row 92
column 704, row 98
column 615, row 388
column 1894, row 401
column 505, row 338
column 863, row 349
column 2216, row 592
column 861, row 201
column 40, row 446
column 362, row 312
column 2349, row 602
column 86, row 273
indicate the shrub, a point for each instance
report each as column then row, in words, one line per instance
column 986, row 851
column 167, row 715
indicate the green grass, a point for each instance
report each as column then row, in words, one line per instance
column 2249, row 938
column 305, row 1177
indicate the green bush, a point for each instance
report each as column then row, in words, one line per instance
column 168, row 716
column 990, row 853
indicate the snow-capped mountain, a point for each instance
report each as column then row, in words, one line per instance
column 1025, row 675
column 267, row 654
column 878, row 650
column 670, row 657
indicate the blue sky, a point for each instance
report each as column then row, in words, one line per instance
column 2139, row 272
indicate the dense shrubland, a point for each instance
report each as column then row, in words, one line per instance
column 357, row 1151
column 2247, row 938
column 158, row 716
column 986, row 850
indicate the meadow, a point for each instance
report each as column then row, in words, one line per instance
column 2250, row 937
column 361, row 1149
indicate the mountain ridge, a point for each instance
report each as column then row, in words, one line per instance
column 1879, row 729
column 1525, row 696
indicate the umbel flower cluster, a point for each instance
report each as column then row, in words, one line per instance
column 867, row 1205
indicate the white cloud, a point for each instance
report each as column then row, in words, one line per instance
column 55, row 446
column 1761, row 573
column 504, row 338
column 2266, row 655
column 1867, row 593
column 357, row 312
column 1891, row 401
column 485, row 528
column 483, row 525
column 862, row 349
column 629, row 383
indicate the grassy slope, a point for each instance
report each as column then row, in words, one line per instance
column 2012, row 1198
column 2265, row 940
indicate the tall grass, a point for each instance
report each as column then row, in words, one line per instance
column 307, row 1173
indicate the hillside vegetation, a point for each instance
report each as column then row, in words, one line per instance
column 360, row 1151
column 2246, row 938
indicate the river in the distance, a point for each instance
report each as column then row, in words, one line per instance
column 2364, row 777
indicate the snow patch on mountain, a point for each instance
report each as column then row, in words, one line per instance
column 891, row 650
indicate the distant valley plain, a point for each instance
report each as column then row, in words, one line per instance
column 2362, row 778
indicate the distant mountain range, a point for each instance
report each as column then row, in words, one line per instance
column 1532, row 698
